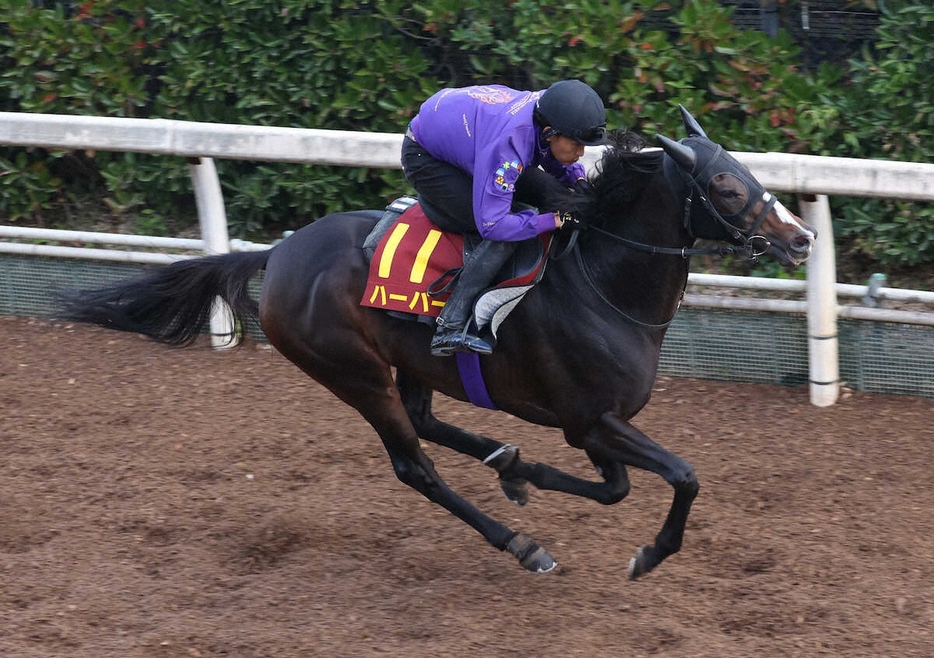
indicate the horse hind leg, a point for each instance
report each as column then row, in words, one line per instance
column 382, row 407
column 413, row 467
column 418, row 472
column 499, row 456
column 514, row 474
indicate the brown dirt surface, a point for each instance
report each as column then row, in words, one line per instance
column 176, row 503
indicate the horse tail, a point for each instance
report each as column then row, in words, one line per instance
column 173, row 303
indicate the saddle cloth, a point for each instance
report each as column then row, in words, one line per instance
column 414, row 260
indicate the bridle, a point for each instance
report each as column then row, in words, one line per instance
column 747, row 238
column 752, row 245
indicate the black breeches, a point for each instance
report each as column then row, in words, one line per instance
column 446, row 191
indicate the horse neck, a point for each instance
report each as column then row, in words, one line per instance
column 644, row 286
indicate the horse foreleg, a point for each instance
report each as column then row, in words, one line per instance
column 621, row 442
column 514, row 474
column 613, row 489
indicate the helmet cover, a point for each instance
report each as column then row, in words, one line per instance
column 575, row 110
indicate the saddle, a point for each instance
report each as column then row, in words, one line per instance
column 414, row 265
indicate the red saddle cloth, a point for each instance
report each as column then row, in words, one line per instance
column 412, row 255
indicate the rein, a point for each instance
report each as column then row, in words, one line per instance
column 593, row 286
column 750, row 241
column 683, row 252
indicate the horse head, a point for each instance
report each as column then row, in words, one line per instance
column 728, row 203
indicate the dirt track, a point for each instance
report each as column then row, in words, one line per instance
column 164, row 503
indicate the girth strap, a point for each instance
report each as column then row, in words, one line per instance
column 468, row 365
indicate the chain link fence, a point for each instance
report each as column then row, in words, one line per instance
column 826, row 30
column 758, row 347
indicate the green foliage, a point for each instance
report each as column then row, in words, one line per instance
column 893, row 233
column 336, row 64
column 27, row 187
column 87, row 63
column 890, row 110
column 302, row 63
column 643, row 57
column 91, row 62
column 741, row 85
column 887, row 111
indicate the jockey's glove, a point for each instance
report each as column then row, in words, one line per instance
column 582, row 185
column 566, row 219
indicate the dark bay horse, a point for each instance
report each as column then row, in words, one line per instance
column 579, row 353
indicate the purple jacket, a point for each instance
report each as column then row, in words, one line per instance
column 488, row 132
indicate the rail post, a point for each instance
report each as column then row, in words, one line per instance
column 213, row 221
column 823, row 350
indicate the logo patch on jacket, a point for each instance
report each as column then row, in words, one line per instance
column 506, row 175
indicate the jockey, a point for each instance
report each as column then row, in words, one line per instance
column 471, row 152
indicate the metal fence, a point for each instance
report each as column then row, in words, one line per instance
column 826, row 30
column 705, row 343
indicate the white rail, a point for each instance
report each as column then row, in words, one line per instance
column 794, row 285
column 191, row 139
column 800, row 174
column 811, row 177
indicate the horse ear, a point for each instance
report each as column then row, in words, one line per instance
column 691, row 125
column 680, row 153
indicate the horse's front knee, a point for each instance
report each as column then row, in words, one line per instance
column 686, row 483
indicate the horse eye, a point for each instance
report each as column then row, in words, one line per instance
column 728, row 192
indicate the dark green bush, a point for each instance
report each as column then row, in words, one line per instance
column 367, row 66
column 887, row 111
column 643, row 57
column 336, row 65
column 87, row 62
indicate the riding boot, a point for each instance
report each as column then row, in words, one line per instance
column 456, row 332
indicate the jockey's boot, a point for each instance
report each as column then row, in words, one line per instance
column 456, row 332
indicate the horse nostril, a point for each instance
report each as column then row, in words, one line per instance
column 802, row 243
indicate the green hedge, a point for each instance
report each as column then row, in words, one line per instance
column 367, row 66
column 297, row 63
column 887, row 111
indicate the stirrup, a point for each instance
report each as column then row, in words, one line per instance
column 447, row 342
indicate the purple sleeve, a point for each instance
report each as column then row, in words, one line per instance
column 573, row 174
column 494, row 182
column 567, row 176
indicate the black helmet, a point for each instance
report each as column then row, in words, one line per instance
column 574, row 110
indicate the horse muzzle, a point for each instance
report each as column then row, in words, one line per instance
column 792, row 241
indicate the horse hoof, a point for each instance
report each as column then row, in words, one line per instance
column 515, row 490
column 638, row 565
column 530, row 555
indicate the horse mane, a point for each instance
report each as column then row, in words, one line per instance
column 623, row 171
